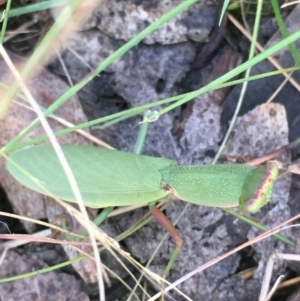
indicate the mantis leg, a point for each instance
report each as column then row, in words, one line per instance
column 167, row 224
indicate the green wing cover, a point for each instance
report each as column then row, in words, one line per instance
column 104, row 177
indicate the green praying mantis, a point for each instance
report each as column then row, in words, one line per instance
column 115, row 178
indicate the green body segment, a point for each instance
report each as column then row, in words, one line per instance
column 209, row 185
column 258, row 187
column 104, row 177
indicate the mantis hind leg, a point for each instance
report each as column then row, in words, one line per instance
column 167, row 224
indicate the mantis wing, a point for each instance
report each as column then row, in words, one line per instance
column 104, row 177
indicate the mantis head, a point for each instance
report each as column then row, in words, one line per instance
column 257, row 189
